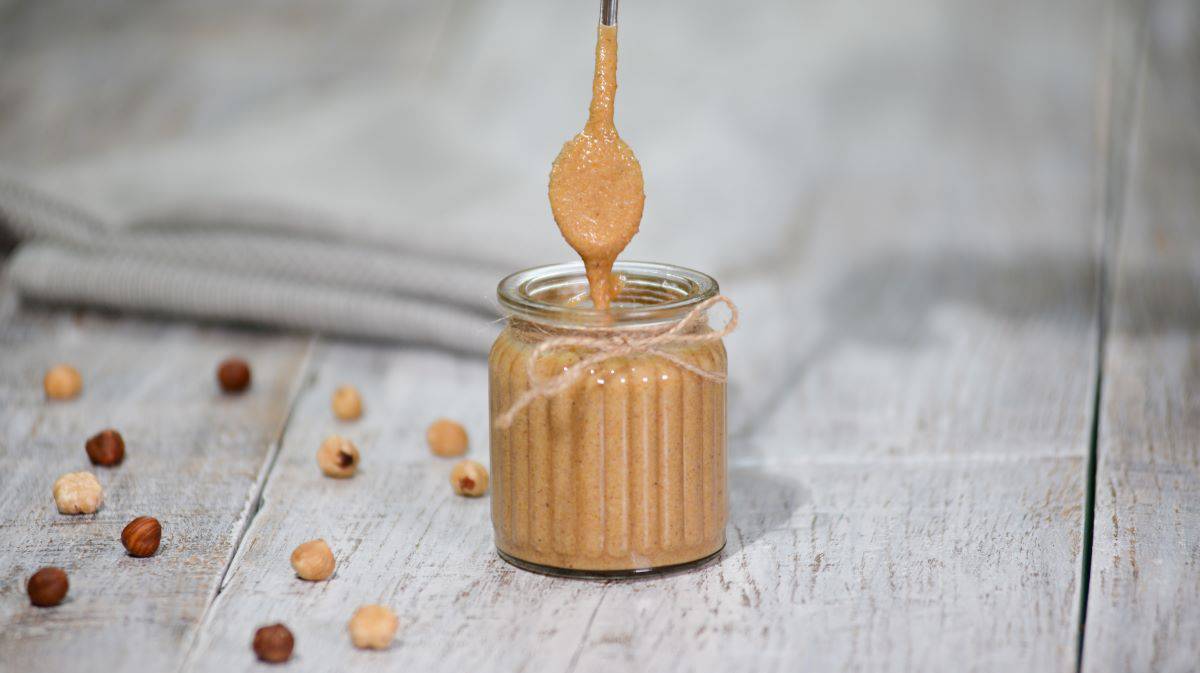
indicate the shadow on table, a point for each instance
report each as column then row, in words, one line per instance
column 760, row 502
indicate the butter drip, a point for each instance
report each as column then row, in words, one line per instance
column 596, row 187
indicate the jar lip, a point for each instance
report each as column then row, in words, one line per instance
column 653, row 293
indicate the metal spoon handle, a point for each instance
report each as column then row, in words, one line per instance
column 608, row 12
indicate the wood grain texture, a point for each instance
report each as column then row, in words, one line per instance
column 910, row 400
column 1142, row 608
column 194, row 461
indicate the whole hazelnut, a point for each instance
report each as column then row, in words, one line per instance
column 106, row 448
column 313, row 561
column 337, row 457
column 78, row 493
column 234, row 375
column 347, row 403
column 62, row 382
column 141, row 536
column 47, row 587
column 447, row 438
column 469, row 478
column 373, row 627
column 273, row 644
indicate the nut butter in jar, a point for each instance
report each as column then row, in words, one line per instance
column 616, row 467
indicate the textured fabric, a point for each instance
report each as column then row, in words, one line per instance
column 246, row 271
column 388, row 157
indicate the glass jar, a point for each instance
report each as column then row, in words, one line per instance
column 623, row 471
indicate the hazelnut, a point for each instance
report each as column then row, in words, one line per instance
column 106, row 448
column 141, row 536
column 469, row 478
column 313, row 560
column 337, row 457
column 373, row 627
column 234, row 375
column 62, row 382
column 447, row 438
column 78, row 493
column 273, row 644
column 47, row 587
column 347, row 403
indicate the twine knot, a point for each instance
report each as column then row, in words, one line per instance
column 619, row 345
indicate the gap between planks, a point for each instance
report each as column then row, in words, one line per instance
column 1119, row 125
column 254, row 501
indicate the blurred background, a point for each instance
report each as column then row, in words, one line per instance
column 211, row 159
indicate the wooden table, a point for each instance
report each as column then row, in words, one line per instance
column 964, row 407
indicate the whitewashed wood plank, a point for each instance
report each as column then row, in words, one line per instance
column 911, row 390
column 194, row 460
column 398, row 532
column 1142, row 608
column 175, row 69
column 835, row 561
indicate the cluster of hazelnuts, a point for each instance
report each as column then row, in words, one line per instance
column 48, row 586
column 371, row 627
column 81, row 492
column 338, row 457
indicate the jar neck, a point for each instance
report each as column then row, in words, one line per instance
column 653, row 298
column 533, row 330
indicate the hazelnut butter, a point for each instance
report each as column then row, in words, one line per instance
column 607, row 385
column 624, row 471
column 596, row 187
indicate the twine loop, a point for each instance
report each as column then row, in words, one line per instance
column 619, row 345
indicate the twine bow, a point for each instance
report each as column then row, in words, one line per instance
column 616, row 346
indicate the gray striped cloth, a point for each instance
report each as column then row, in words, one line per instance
column 246, row 264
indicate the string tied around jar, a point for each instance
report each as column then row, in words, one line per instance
column 618, row 345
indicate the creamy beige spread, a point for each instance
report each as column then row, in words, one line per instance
column 596, row 188
column 624, row 471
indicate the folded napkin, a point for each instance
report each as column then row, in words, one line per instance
column 246, row 264
column 364, row 167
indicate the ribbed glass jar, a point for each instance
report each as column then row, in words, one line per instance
column 624, row 472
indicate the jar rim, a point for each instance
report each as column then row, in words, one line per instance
column 652, row 293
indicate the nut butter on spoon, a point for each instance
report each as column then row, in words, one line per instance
column 596, row 187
